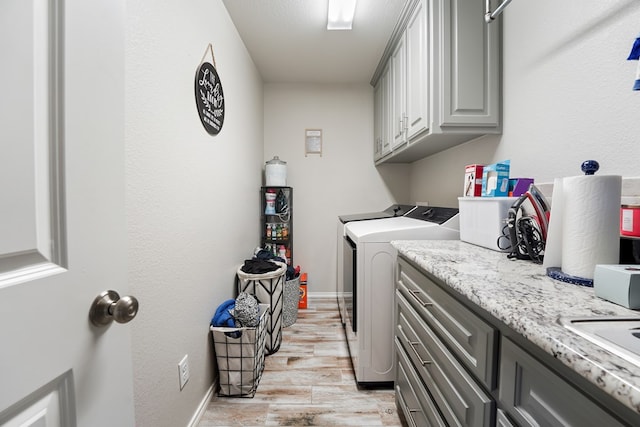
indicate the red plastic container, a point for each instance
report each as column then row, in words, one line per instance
column 630, row 220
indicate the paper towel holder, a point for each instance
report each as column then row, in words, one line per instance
column 590, row 167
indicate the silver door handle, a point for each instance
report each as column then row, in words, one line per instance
column 414, row 294
column 108, row 306
column 413, row 345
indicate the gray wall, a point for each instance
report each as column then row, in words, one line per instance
column 192, row 199
column 343, row 180
column 567, row 98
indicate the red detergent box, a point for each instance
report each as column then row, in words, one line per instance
column 473, row 181
column 302, row 302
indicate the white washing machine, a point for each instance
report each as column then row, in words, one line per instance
column 391, row 212
column 369, row 283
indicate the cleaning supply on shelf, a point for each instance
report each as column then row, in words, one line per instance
column 270, row 200
column 282, row 252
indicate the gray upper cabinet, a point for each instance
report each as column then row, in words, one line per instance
column 443, row 69
column 417, row 72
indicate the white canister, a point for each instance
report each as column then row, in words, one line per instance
column 275, row 173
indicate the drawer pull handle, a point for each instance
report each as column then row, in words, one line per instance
column 410, row 413
column 424, row 304
column 413, row 344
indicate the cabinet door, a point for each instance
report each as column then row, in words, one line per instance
column 533, row 395
column 470, row 65
column 385, row 128
column 381, row 100
column 398, row 90
column 377, row 120
column 417, row 89
column 502, row 420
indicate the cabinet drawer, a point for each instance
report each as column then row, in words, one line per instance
column 415, row 402
column 533, row 395
column 460, row 400
column 502, row 420
column 470, row 338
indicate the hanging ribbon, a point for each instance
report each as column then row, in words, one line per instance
column 634, row 55
column 213, row 58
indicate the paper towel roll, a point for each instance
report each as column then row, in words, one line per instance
column 590, row 223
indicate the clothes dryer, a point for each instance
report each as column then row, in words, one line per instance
column 369, row 282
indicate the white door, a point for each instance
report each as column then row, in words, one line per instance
column 62, row 223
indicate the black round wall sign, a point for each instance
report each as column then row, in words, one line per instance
column 209, row 98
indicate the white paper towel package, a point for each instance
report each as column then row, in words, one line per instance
column 584, row 226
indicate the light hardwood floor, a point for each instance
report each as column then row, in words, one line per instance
column 308, row 382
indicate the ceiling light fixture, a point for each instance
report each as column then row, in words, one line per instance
column 340, row 15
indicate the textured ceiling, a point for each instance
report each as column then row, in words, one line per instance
column 289, row 42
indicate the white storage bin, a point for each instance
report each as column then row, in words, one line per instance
column 482, row 220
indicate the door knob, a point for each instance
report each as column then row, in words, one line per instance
column 108, row 306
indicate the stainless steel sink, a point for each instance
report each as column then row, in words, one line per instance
column 618, row 335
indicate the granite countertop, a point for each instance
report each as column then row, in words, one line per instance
column 523, row 297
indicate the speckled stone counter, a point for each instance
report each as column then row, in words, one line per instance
column 520, row 295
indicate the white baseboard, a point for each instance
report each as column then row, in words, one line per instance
column 202, row 408
column 321, row 294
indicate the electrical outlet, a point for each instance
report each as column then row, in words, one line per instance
column 183, row 370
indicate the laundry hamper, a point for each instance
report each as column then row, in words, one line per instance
column 268, row 289
column 291, row 301
column 240, row 356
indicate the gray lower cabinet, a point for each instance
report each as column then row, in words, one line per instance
column 451, row 371
column 442, row 389
column 411, row 397
column 470, row 338
column 533, row 395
